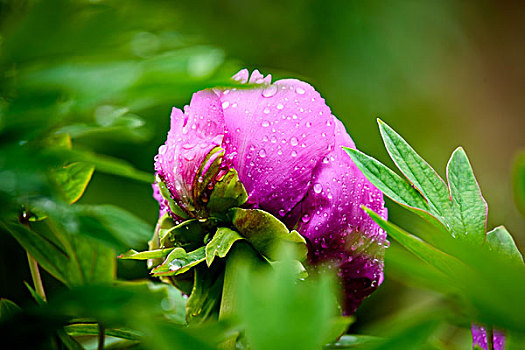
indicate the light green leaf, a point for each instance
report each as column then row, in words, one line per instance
column 149, row 254
column 421, row 249
column 79, row 329
column 221, row 243
column 417, row 171
column 465, row 191
column 500, row 241
column 165, row 192
column 228, row 193
column 178, row 262
column 73, row 179
column 265, row 232
column 351, row 341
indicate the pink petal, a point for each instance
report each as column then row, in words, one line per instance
column 280, row 132
column 340, row 233
column 192, row 136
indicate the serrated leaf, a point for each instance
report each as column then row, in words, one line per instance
column 79, row 329
column 149, row 254
column 465, row 191
column 227, row 193
column 221, row 244
column 421, row 249
column 500, row 241
column 265, row 232
column 179, row 261
column 73, row 179
column 417, row 171
column 387, row 181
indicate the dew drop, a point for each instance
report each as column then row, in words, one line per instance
column 300, row 91
column 266, row 110
column 294, row 154
column 265, row 124
column 294, row 141
column 280, row 106
column 262, row 153
column 282, row 212
column 273, row 139
column 305, row 218
column 308, row 124
column 162, row 149
column 270, row 91
column 225, row 104
column 318, row 188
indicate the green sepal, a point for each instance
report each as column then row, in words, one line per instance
column 264, row 231
column 227, row 193
column 221, row 244
column 500, row 241
column 201, row 180
column 148, row 254
column 206, row 293
column 178, row 262
column 189, row 234
column 165, row 192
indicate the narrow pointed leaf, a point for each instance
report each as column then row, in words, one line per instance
column 149, row 254
column 79, row 329
column 421, row 249
column 465, row 191
column 165, row 192
column 417, row 171
column 221, row 244
column 500, row 241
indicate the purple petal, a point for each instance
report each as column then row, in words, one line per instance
column 280, row 132
column 339, row 232
column 192, row 136
column 479, row 338
column 163, row 204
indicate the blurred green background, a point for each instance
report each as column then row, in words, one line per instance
column 442, row 73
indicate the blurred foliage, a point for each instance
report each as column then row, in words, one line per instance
column 89, row 85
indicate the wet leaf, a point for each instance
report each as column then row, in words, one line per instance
column 221, row 244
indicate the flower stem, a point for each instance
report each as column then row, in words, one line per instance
column 35, row 275
column 101, row 337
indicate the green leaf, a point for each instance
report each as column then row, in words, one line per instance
column 466, row 193
column 350, row 341
column 221, row 244
column 73, row 179
column 417, row 171
column 227, row 193
column 149, row 254
column 387, row 181
column 79, row 329
column 421, row 249
column 178, row 262
column 206, row 293
column 518, row 181
column 500, row 241
column 7, row 309
column 265, row 232
column 72, row 259
column 189, row 234
column 165, row 192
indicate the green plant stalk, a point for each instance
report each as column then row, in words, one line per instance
column 35, row 275
column 101, row 337
column 240, row 256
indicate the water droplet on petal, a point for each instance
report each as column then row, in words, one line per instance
column 280, row 106
column 162, row 149
column 265, row 124
column 262, row 153
column 318, row 188
column 273, row 139
column 305, row 218
column 294, row 154
column 225, row 104
column 269, row 91
column 308, row 124
column 282, row 212
column 300, row 91
column 294, row 141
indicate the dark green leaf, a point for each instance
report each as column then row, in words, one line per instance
column 220, row 244
column 165, row 192
column 206, row 293
column 189, row 234
column 499, row 241
column 466, row 193
column 79, row 329
column 7, row 309
column 265, row 232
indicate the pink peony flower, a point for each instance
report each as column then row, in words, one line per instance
column 286, row 147
column 479, row 338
